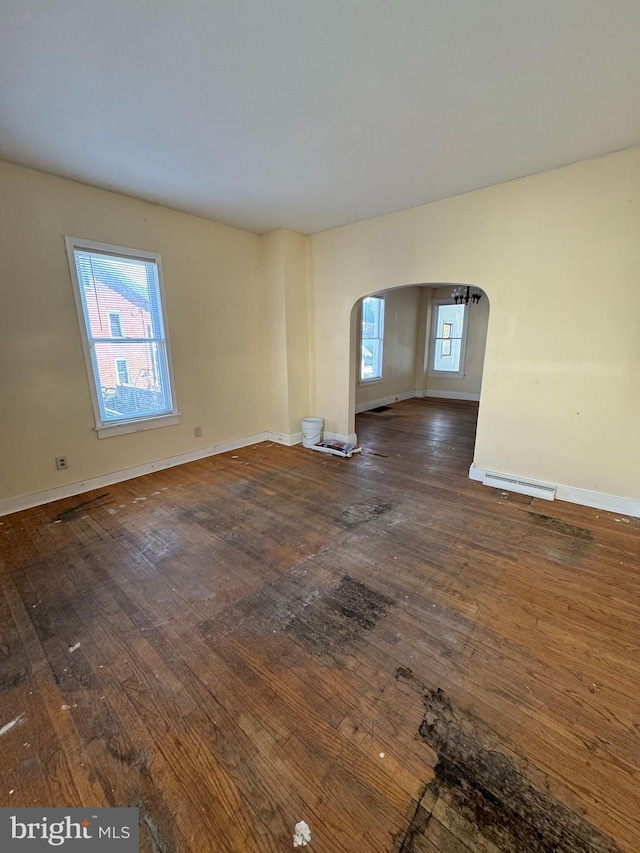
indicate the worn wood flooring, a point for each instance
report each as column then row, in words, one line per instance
column 402, row 658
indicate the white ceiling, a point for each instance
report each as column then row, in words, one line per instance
column 309, row 114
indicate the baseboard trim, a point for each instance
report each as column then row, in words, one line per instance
column 10, row 505
column 284, row 438
column 453, row 395
column 384, row 401
column 574, row 495
column 408, row 395
column 599, row 500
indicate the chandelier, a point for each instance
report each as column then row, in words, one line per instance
column 464, row 295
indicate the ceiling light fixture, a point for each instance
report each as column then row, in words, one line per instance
column 463, row 295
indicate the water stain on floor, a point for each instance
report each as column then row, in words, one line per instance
column 359, row 513
column 484, row 800
column 339, row 616
column 77, row 510
column 556, row 525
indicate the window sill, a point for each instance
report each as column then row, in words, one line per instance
column 123, row 427
column 375, row 381
column 446, row 374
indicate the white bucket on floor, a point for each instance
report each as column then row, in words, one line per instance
column 311, row 431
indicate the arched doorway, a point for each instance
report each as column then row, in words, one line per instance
column 429, row 346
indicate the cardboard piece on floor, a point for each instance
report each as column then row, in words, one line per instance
column 337, row 448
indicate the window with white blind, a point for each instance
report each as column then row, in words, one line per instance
column 121, row 311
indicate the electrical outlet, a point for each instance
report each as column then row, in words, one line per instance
column 62, row 463
column 197, row 431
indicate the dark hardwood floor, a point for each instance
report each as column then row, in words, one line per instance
column 402, row 658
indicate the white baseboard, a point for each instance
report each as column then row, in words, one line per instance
column 476, row 473
column 408, row 395
column 599, row 500
column 384, row 401
column 338, row 436
column 9, row 505
column 453, row 395
column 574, row 495
column 283, row 438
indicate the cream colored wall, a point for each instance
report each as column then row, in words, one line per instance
column 297, row 307
column 477, row 320
column 214, row 304
column 559, row 256
column 274, row 359
column 286, row 311
column 399, row 348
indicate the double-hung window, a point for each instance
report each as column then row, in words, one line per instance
column 121, row 311
column 371, row 338
column 448, row 336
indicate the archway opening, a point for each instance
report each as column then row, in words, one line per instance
column 418, row 342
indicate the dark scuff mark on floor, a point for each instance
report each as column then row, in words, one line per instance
column 556, row 525
column 80, row 509
column 338, row 616
column 417, row 825
column 488, row 793
column 360, row 513
column 157, row 826
column 159, row 845
column 11, row 675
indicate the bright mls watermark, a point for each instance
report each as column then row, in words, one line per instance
column 82, row 830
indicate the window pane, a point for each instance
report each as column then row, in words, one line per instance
column 371, row 366
column 130, row 380
column 441, row 360
column 371, row 308
column 450, row 321
column 371, row 335
column 125, row 288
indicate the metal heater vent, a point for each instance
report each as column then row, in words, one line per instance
column 523, row 487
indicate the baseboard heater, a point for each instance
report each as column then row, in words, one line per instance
column 522, row 487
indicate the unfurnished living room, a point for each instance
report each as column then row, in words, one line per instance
column 320, row 426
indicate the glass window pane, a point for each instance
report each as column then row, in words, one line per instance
column 126, row 287
column 450, row 361
column 370, row 318
column 450, row 319
column 130, row 380
column 371, row 367
column 372, row 332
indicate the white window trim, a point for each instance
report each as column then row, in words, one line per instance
column 447, row 374
column 374, row 379
column 106, row 430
